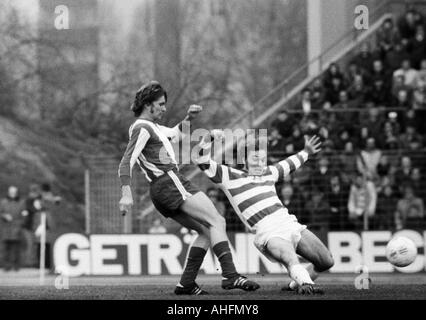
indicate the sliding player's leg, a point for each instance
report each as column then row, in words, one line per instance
column 195, row 256
column 200, row 208
column 311, row 248
column 314, row 250
column 283, row 251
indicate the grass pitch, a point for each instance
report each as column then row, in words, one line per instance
column 336, row 287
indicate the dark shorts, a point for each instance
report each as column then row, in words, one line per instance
column 170, row 191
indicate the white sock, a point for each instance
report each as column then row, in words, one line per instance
column 299, row 274
column 312, row 273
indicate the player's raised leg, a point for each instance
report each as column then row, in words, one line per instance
column 313, row 250
column 283, row 251
column 201, row 209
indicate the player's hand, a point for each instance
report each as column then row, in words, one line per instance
column 312, row 145
column 126, row 201
column 193, row 111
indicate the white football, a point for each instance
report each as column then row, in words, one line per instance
column 401, row 251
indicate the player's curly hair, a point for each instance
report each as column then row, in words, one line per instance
column 146, row 95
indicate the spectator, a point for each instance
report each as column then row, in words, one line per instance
column 410, row 211
column 391, row 128
column 380, row 73
column 418, row 183
column 275, row 146
column 296, row 141
column 293, row 202
column 419, row 96
column 362, row 201
column 157, row 227
column 353, row 72
column 342, row 138
column 383, row 167
column 402, row 99
column 321, row 175
column 357, row 90
column 346, row 116
column 398, row 85
column 333, row 90
column 414, row 118
column 421, row 74
column 333, row 72
column 403, row 173
column 387, row 37
column 284, row 124
column 337, row 199
column 378, row 93
column 368, row 159
column 318, row 93
column 373, row 124
column 364, row 59
column 49, row 205
column 386, row 207
column 348, row 160
column 308, row 124
column 301, row 179
column 407, row 26
column 12, row 212
column 410, row 139
column 410, row 74
column 318, row 212
column 33, row 206
column 418, row 47
column 306, row 104
column 395, row 57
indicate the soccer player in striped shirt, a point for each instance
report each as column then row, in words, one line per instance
column 171, row 193
column 251, row 192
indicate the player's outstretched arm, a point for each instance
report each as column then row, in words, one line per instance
column 203, row 156
column 138, row 139
column 294, row 162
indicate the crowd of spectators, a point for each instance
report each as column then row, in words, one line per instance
column 21, row 226
column 381, row 93
column 370, row 117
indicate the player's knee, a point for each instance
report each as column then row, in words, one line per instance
column 326, row 263
column 219, row 221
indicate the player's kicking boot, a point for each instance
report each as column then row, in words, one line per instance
column 239, row 282
column 305, row 289
column 194, row 290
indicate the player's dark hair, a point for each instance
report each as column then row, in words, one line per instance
column 147, row 94
column 251, row 142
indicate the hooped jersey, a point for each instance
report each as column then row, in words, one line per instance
column 252, row 197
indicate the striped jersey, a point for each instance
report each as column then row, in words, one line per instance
column 149, row 146
column 252, row 197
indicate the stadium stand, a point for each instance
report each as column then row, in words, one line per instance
column 368, row 105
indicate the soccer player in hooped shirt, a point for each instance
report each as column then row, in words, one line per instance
column 171, row 193
column 278, row 234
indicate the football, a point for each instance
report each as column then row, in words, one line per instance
column 401, row 251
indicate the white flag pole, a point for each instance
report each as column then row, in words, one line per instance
column 42, row 247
